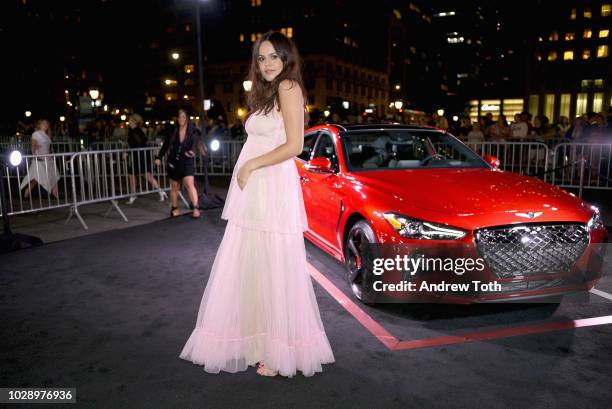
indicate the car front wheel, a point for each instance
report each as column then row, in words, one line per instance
column 358, row 254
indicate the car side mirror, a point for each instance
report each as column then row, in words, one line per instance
column 320, row 164
column 492, row 161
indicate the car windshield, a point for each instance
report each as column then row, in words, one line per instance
column 406, row 149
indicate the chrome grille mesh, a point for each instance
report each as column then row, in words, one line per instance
column 527, row 249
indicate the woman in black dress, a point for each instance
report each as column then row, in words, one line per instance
column 180, row 148
column 140, row 162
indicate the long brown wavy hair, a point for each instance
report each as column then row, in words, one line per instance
column 264, row 94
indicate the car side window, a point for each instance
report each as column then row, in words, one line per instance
column 309, row 143
column 325, row 148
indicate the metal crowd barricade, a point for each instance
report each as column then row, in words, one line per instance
column 519, row 157
column 222, row 161
column 25, row 147
column 595, row 159
column 49, row 168
column 110, row 175
column 108, row 145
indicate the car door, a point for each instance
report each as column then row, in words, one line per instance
column 302, row 159
column 322, row 191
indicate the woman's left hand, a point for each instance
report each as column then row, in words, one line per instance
column 243, row 174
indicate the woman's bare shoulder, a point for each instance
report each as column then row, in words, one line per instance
column 289, row 85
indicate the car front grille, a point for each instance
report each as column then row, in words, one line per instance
column 528, row 249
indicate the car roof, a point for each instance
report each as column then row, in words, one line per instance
column 380, row 127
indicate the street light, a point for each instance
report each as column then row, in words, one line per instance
column 398, row 104
column 94, row 93
column 62, row 118
column 247, row 85
column 207, row 200
column 175, row 56
column 8, row 240
column 440, row 112
column 28, row 114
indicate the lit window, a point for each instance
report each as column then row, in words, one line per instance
column 602, row 51
column 568, row 55
column 187, row 27
column 538, row 56
column 549, row 105
column 171, row 97
column 581, row 103
column 189, row 68
column 170, row 82
column 587, row 33
column 586, row 54
column 534, row 101
column 241, row 38
column 606, row 10
column 253, row 37
column 573, row 14
column 554, row 36
column 604, row 33
column 586, row 83
column 599, row 82
column 290, row 32
column 552, row 55
column 564, row 105
column 587, row 12
column 598, row 101
column 255, row 3
column 569, row 36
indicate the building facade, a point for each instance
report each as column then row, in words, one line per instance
column 570, row 69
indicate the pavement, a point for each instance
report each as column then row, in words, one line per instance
column 107, row 311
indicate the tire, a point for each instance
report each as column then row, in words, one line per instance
column 359, row 276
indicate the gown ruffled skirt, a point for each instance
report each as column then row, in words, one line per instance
column 259, row 303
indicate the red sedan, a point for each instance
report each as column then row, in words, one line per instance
column 368, row 188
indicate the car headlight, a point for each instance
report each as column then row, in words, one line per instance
column 595, row 222
column 418, row 229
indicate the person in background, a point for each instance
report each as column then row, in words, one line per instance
column 181, row 150
column 439, row 121
column 577, row 131
column 563, row 125
column 519, row 128
column 140, row 162
column 541, row 128
column 42, row 170
column 499, row 131
column 476, row 134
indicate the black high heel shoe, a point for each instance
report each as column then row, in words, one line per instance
column 194, row 208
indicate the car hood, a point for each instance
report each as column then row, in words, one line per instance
column 465, row 192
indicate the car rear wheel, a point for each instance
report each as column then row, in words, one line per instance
column 358, row 261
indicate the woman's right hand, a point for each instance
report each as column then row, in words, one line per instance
column 157, row 162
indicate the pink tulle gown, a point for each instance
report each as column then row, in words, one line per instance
column 259, row 303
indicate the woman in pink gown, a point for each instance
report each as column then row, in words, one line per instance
column 259, row 305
